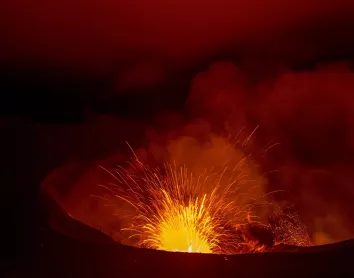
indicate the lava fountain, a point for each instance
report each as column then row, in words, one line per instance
column 175, row 212
column 174, row 209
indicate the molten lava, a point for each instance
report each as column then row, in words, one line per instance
column 184, row 229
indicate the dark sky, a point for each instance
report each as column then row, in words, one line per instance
column 105, row 55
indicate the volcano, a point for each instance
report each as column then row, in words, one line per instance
column 77, row 250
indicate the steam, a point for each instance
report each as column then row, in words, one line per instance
column 310, row 113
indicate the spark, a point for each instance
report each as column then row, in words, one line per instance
column 288, row 229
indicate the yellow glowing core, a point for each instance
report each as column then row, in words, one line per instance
column 185, row 229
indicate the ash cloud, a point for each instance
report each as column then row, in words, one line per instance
column 309, row 113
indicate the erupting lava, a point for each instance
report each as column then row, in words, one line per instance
column 187, row 229
column 213, row 212
column 175, row 211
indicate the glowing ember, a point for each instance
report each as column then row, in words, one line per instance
column 288, row 228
